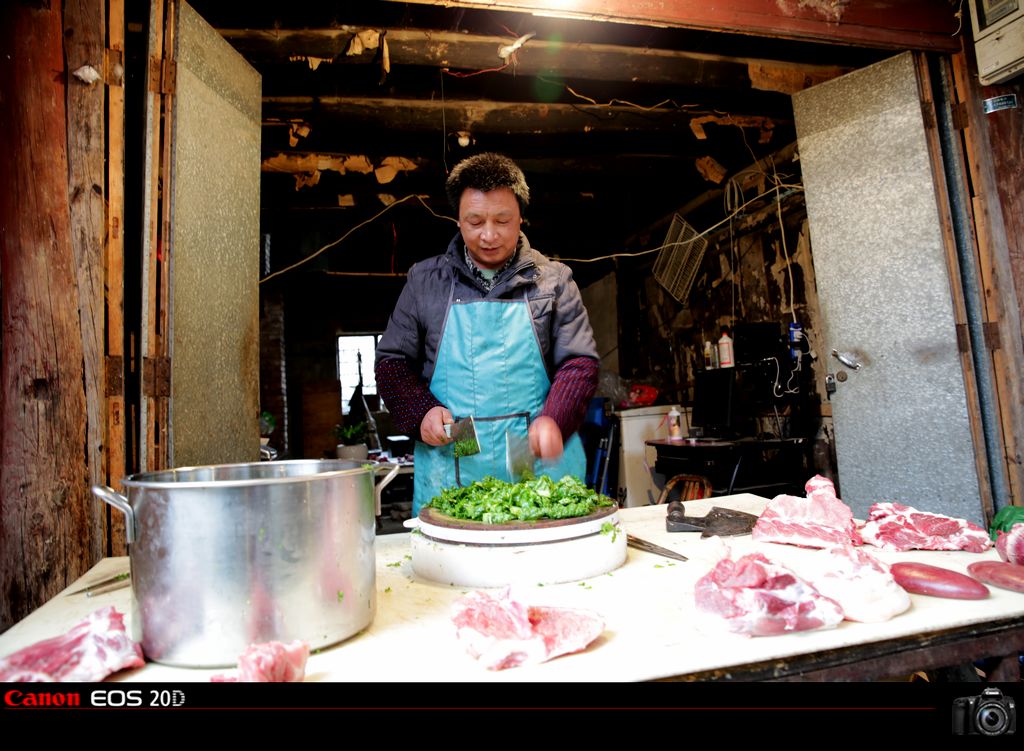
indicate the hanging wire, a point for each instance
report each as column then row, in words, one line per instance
column 444, row 128
column 331, row 244
column 710, row 229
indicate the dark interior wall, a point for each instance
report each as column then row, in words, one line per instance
column 747, row 276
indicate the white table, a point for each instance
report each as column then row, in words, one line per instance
column 651, row 631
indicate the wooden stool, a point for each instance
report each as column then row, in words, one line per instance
column 686, row 488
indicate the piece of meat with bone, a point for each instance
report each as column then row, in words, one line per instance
column 270, row 662
column 758, row 597
column 1010, row 545
column 820, row 520
column 893, row 526
column 92, row 650
column 501, row 632
column 861, row 584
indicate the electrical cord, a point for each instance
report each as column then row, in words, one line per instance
column 331, row 244
column 708, row 231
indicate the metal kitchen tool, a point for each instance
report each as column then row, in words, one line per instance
column 105, row 585
column 519, row 460
column 463, row 434
column 719, row 521
column 649, row 547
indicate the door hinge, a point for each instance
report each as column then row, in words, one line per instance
column 114, row 376
column 963, row 338
column 155, row 68
column 928, row 113
column 169, row 79
column 162, row 75
column 156, row 376
column 993, row 340
column 959, row 116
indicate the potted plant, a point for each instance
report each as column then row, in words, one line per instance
column 351, row 441
column 267, row 424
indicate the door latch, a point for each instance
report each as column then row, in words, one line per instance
column 830, row 384
column 846, row 359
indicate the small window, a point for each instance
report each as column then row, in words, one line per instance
column 355, row 358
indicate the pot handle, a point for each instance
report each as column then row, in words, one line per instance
column 119, row 502
column 383, row 483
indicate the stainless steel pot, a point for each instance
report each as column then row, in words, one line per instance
column 230, row 555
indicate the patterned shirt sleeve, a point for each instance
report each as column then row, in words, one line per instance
column 406, row 396
column 573, row 387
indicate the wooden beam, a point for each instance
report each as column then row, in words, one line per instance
column 888, row 24
column 85, row 53
column 45, row 504
column 483, row 116
column 554, row 58
column 116, row 441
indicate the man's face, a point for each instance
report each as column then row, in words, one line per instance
column 489, row 223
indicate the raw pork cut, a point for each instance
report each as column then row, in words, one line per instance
column 820, row 520
column 503, row 633
column 270, row 662
column 893, row 526
column 757, row 597
column 859, row 582
column 1010, row 545
column 92, row 650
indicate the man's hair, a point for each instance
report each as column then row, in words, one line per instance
column 487, row 172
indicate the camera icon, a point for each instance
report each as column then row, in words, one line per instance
column 990, row 713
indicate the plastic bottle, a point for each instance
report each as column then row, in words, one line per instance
column 708, row 359
column 725, row 351
column 675, row 424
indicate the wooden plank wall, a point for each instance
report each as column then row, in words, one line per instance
column 1002, row 311
column 51, row 304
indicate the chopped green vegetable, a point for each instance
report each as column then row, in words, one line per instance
column 263, row 533
column 609, row 528
column 396, row 564
column 408, row 557
column 387, row 589
column 341, row 595
column 466, row 447
column 495, row 501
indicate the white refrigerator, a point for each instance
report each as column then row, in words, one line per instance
column 639, row 484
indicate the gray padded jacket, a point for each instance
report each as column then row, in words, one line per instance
column 556, row 308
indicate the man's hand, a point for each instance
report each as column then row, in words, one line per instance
column 546, row 439
column 432, row 427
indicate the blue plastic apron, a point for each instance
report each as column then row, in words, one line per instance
column 489, row 367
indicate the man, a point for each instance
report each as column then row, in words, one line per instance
column 490, row 329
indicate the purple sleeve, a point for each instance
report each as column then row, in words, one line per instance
column 571, row 391
column 406, row 396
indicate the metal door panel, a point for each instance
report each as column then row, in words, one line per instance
column 902, row 429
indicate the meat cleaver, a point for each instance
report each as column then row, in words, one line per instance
column 719, row 521
column 463, row 435
column 519, row 460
